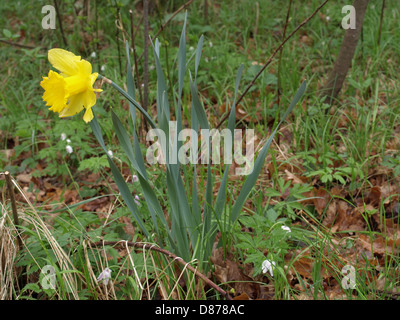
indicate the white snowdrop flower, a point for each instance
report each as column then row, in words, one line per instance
column 191, row 49
column 151, row 67
column 286, row 228
column 328, row 18
column 135, row 178
column 103, row 67
column 105, row 275
column 93, row 54
column 63, row 136
column 68, row 141
column 110, row 153
column 373, row 7
column 206, row 59
column 137, row 200
column 210, row 44
column 142, row 85
column 267, row 266
column 69, row 149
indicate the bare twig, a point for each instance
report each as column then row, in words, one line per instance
column 168, row 21
column 270, row 59
column 10, row 188
column 169, row 255
column 59, row 19
column 25, row 46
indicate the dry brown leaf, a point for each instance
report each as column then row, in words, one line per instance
column 294, row 178
column 374, row 196
column 321, row 199
column 128, row 227
column 227, row 270
column 330, row 214
column 24, row 178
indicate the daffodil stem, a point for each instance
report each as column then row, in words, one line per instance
column 130, row 99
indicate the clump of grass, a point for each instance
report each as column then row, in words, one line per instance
column 8, row 253
column 139, row 272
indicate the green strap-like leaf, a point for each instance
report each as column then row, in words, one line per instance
column 258, row 164
column 119, row 180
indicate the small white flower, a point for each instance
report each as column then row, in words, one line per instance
column 151, row 68
column 191, row 49
column 286, row 228
column 68, row 141
column 267, row 266
column 110, row 153
column 63, row 136
column 103, row 67
column 328, row 18
column 69, row 149
column 210, row 44
column 93, row 54
column 137, row 200
column 105, row 275
column 135, row 178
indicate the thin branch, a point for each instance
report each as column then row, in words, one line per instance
column 168, row 21
column 59, row 19
column 271, row 57
column 10, row 188
column 25, row 46
column 169, row 255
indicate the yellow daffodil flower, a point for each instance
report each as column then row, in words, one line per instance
column 71, row 90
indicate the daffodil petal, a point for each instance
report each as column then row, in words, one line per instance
column 89, row 102
column 74, row 106
column 93, row 78
column 89, row 99
column 85, row 67
column 88, row 116
column 64, row 61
